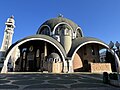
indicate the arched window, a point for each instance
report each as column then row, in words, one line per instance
column 78, row 33
column 24, row 49
column 24, row 52
column 58, row 30
column 63, row 29
column 45, row 30
column 24, row 55
column 37, row 53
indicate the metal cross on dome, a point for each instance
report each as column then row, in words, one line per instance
column 60, row 15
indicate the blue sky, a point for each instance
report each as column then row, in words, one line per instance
column 97, row 18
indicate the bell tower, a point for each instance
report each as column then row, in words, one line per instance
column 8, row 33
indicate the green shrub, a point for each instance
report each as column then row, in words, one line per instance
column 113, row 76
column 105, row 78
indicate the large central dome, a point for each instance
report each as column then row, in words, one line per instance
column 54, row 21
column 50, row 26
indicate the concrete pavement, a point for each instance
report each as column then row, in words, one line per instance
column 35, row 80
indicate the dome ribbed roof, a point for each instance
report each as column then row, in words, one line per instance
column 54, row 21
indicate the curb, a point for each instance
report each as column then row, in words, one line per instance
column 115, row 83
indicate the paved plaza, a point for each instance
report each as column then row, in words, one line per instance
column 40, row 81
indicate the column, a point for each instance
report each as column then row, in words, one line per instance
column 45, row 55
column 65, row 68
column 70, row 66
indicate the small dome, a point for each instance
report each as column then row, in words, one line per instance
column 54, row 55
column 54, row 21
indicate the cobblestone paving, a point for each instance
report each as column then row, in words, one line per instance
column 53, row 82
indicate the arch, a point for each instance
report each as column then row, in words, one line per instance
column 101, row 43
column 39, row 30
column 31, row 38
column 64, row 23
column 81, row 32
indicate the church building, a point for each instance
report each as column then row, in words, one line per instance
column 59, row 46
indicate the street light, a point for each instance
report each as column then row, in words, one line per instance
column 117, row 44
column 111, row 45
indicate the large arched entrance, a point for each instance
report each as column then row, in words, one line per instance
column 87, row 52
column 34, row 56
column 86, row 55
column 33, row 52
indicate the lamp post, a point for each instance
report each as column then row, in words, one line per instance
column 111, row 45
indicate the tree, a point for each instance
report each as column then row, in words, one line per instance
column 110, row 59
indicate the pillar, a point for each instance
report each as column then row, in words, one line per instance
column 70, row 62
column 65, row 67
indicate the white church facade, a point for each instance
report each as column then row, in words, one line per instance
column 59, row 46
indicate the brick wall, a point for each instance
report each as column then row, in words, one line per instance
column 77, row 62
column 100, row 67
